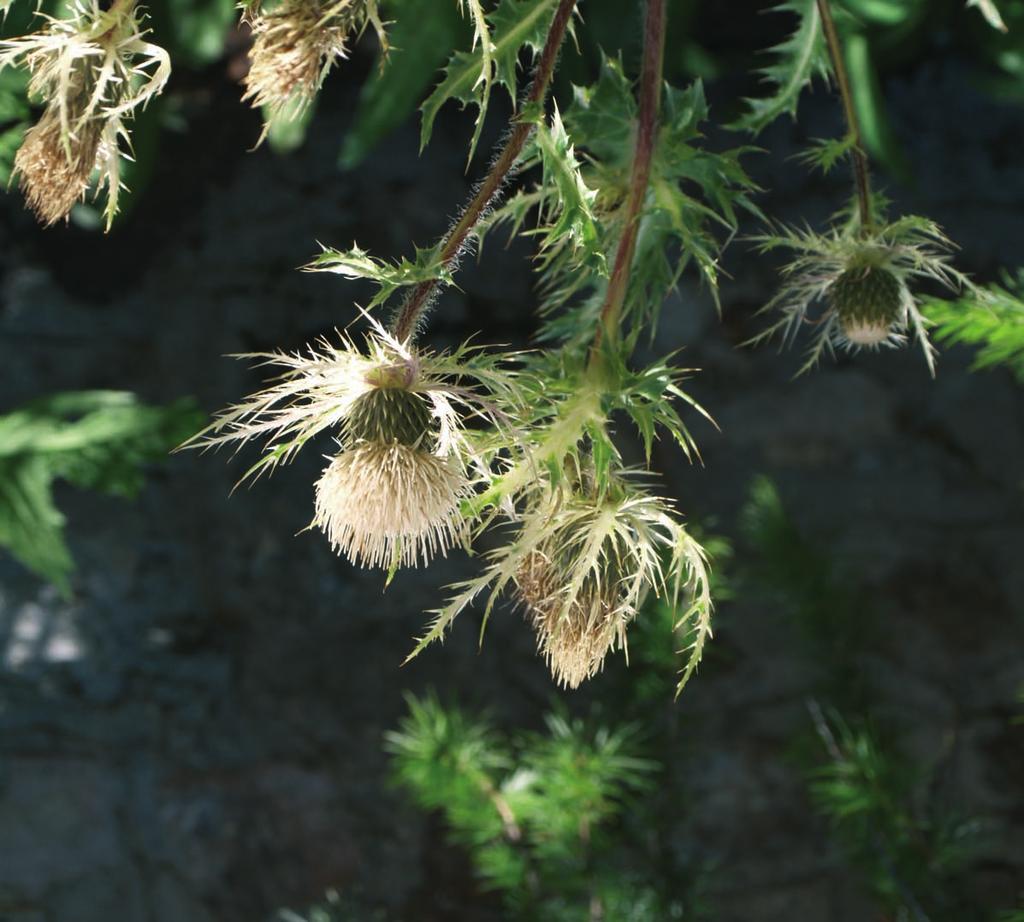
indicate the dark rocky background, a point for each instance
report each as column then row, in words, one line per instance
column 198, row 734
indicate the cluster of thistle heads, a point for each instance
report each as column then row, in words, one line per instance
column 93, row 69
column 432, row 449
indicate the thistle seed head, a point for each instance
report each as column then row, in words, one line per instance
column 294, row 46
column 94, row 69
column 575, row 638
column 868, row 301
column 387, row 504
column 54, row 176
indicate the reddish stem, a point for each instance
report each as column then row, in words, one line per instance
column 455, row 243
column 646, row 139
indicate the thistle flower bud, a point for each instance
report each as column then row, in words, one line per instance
column 866, row 278
column 393, row 494
column 868, row 300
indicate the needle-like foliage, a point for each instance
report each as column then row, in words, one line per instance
column 990, row 318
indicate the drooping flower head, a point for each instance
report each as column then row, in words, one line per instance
column 855, row 287
column 92, row 70
column 295, row 44
column 581, row 563
column 391, row 495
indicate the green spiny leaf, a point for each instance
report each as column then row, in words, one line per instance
column 357, row 263
column 567, row 202
column 515, row 24
column 798, row 59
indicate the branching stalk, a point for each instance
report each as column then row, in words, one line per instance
column 857, row 155
column 455, row 242
column 646, row 138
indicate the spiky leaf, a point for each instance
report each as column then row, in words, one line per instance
column 468, row 79
column 798, row 60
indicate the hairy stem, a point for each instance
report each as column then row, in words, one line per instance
column 454, row 243
column 857, row 155
column 646, row 138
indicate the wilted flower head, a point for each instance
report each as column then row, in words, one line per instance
column 391, row 495
column 295, row 44
column 92, row 70
column 862, row 282
column 582, row 563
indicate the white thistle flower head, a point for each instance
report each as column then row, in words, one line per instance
column 855, row 286
column 389, row 504
column 392, row 494
column 582, row 564
column 93, row 69
column 295, row 45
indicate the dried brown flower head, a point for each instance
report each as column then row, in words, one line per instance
column 92, row 69
column 295, row 44
column 574, row 638
column 55, row 176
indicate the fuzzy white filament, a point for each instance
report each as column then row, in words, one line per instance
column 382, row 505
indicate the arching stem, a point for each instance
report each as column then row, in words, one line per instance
column 454, row 243
column 857, row 155
column 646, row 138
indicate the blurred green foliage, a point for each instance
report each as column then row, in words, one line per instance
column 537, row 812
column 95, row 440
column 991, row 319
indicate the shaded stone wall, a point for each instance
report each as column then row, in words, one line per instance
column 197, row 735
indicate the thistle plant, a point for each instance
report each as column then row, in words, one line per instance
column 620, row 193
column 861, row 274
column 295, row 45
column 92, row 70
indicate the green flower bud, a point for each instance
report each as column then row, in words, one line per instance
column 868, row 301
column 389, row 415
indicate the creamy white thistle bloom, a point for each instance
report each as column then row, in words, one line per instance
column 295, row 44
column 862, row 282
column 392, row 494
column 93, row 69
column 582, row 566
